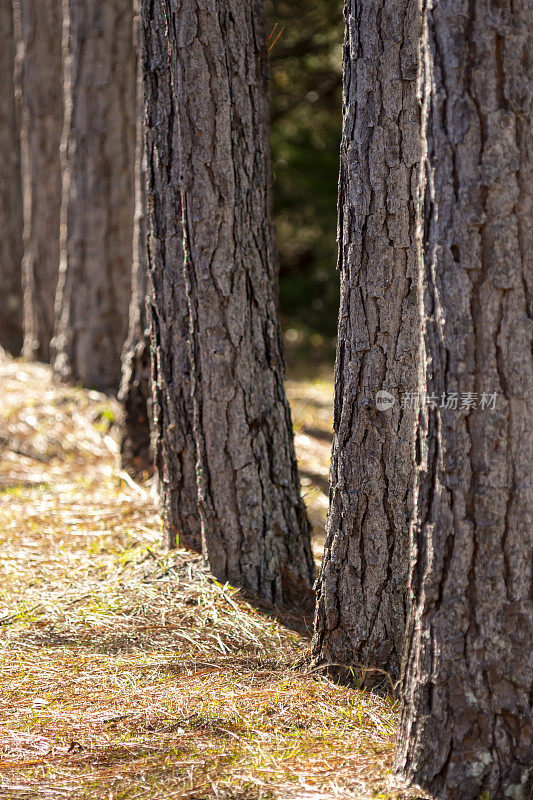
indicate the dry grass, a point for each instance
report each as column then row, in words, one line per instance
column 312, row 411
column 126, row 671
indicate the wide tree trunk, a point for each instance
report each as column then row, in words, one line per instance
column 10, row 192
column 135, row 391
column 39, row 27
column 254, row 528
column 98, row 191
column 466, row 728
column 362, row 587
column 172, row 415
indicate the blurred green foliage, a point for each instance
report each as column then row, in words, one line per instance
column 306, row 94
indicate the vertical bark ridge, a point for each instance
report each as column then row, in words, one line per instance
column 10, row 193
column 173, row 439
column 39, row 29
column 255, row 531
column 135, row 388
column 466, row 726
column 98, row 192
column 254, row 528
column 361, row 591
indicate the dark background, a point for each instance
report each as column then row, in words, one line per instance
column 306, row 94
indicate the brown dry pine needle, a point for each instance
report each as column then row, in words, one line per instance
column 127, row 671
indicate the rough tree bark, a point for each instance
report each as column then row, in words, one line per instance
column 362, row 587
column 466, row 727
column 39, row 26
column 135, row 389
column 173, row 440
column 98, row 192
column 254, row 528
column 10, row 192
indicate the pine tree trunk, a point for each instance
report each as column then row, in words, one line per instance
column 361, row 591
column 10, row 192
column 135, row 391
column 466, row 720
column 173, row 440
column 98, row 192
column 39, row 26
column 254, row 527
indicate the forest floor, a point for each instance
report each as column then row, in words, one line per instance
column 126, row 671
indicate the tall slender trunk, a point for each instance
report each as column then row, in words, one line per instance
column 254, row 527
column 39, row 25
column 361, row 591
column 10, row 192
column 98, row 191
column 173, row 439
column 466, row 721
column 135, row 388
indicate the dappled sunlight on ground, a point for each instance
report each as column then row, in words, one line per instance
column 312, row 413
column 126, row 670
